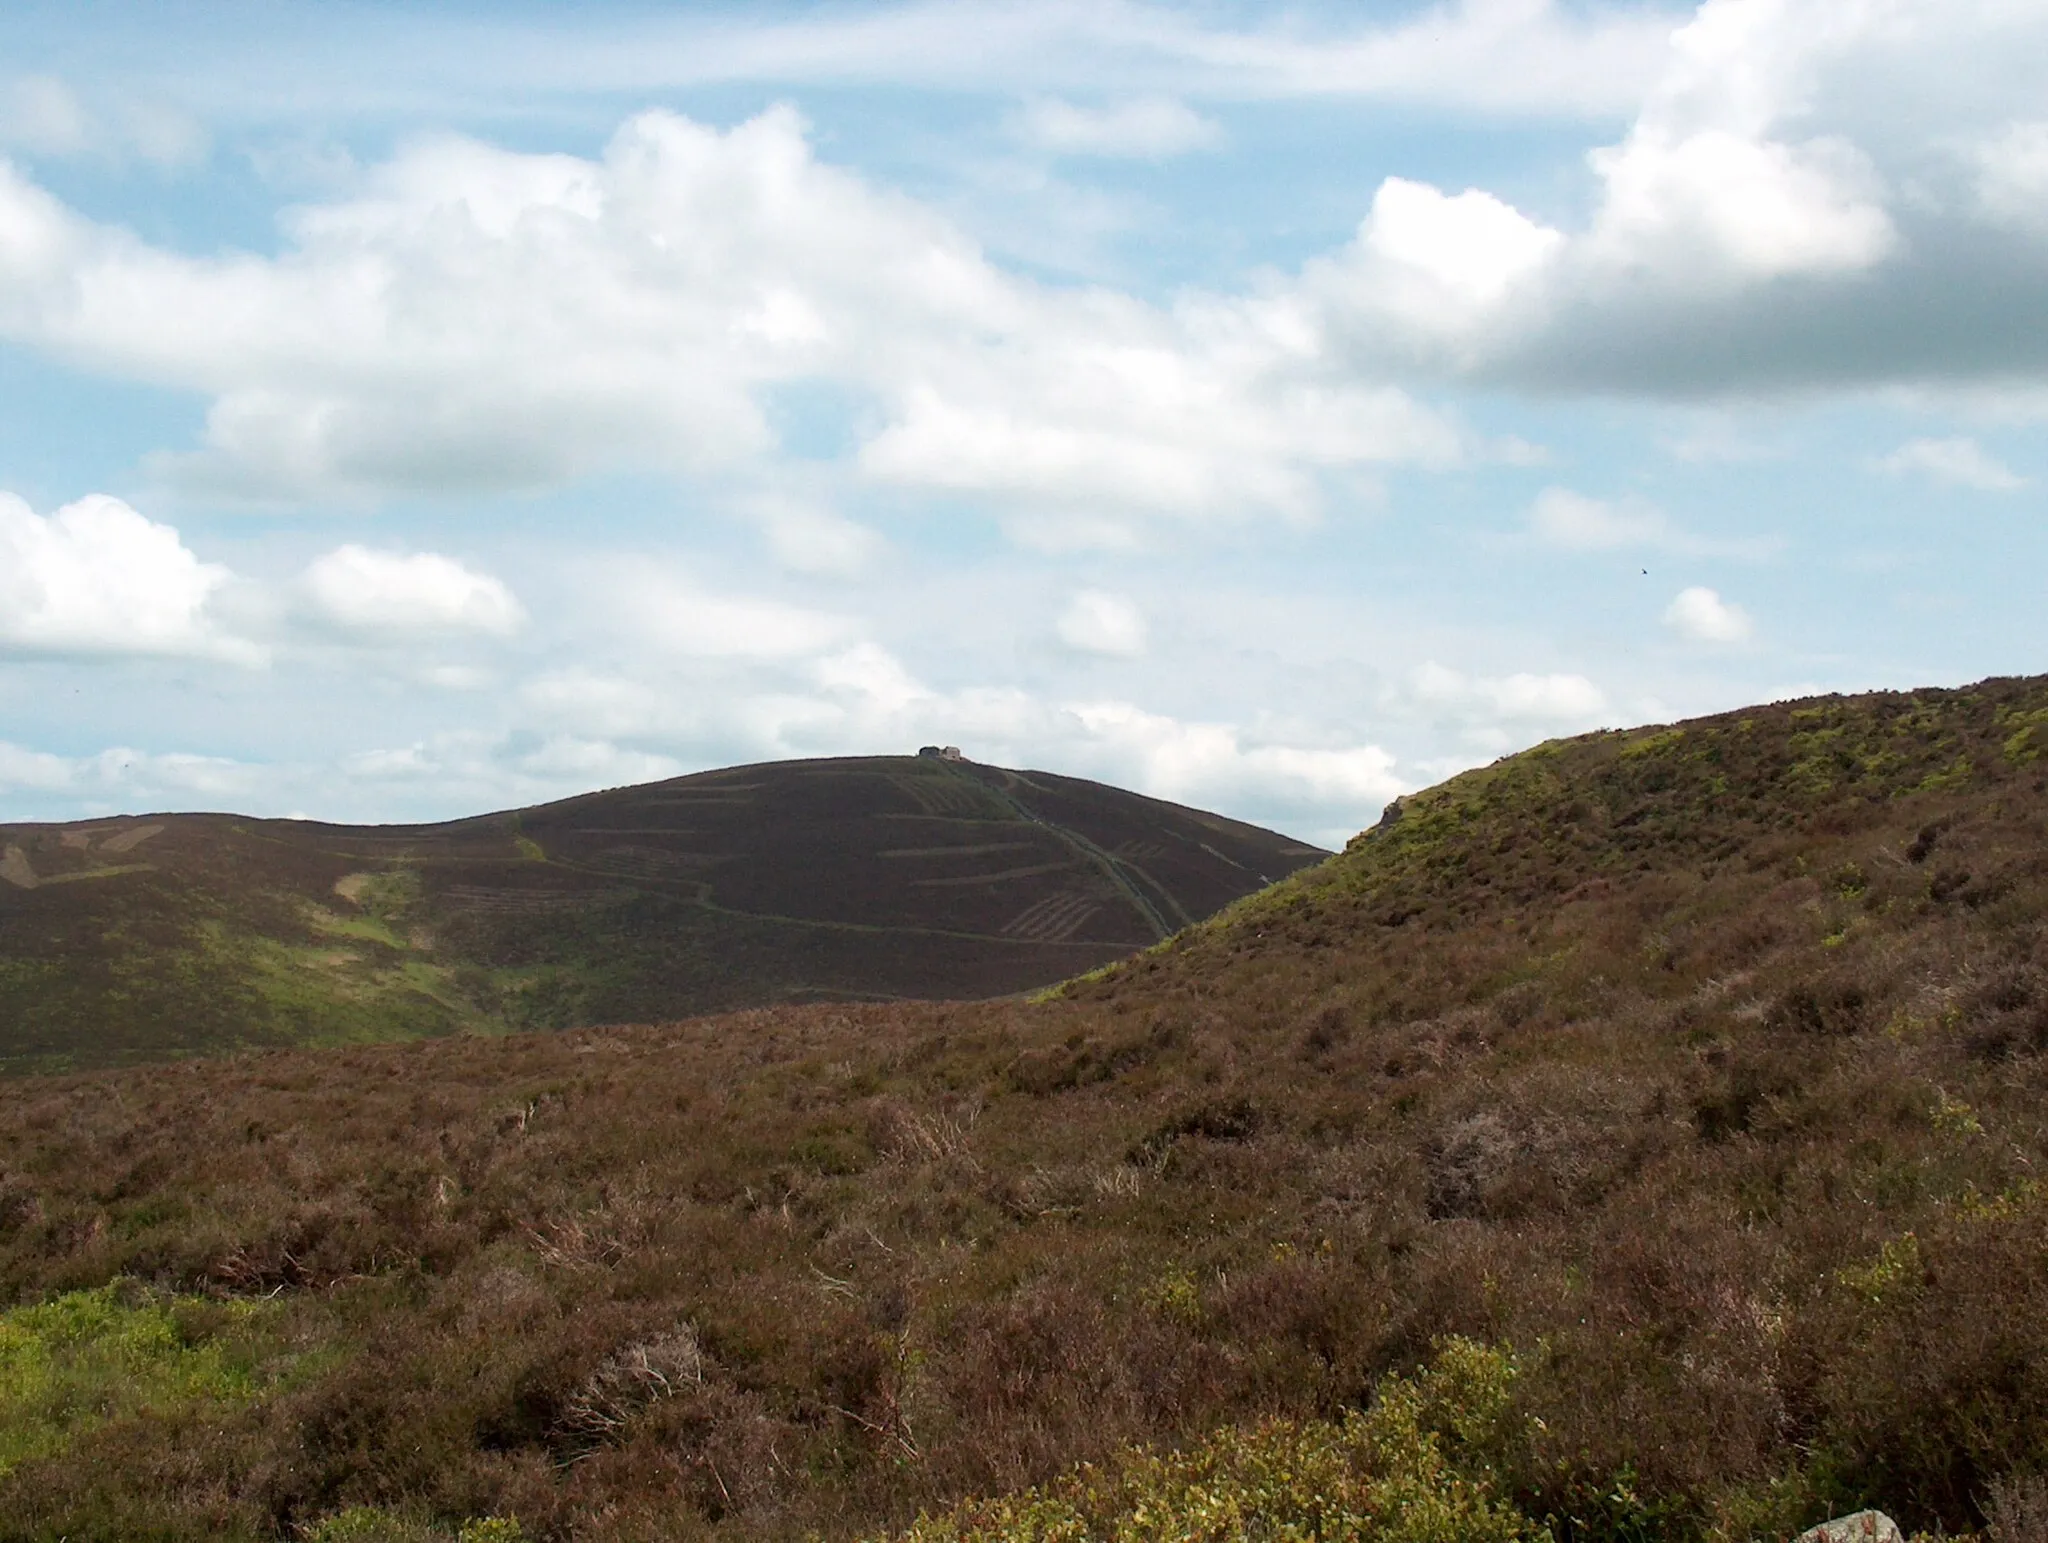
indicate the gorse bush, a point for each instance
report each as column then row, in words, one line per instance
column 1423, row 1465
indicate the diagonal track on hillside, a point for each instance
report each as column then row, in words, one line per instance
column 1128, row 882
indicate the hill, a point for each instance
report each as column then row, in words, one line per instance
column 855, row 879
column 1647, row 1130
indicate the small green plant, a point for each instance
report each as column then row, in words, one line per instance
column 1894, row 1273
column 1952, row 1117
column 1175, row 1296
column 367, row 1524
column 491, row 1529
column 373, row 1524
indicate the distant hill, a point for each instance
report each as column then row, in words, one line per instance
column 856, row 879
column 1649, row 1129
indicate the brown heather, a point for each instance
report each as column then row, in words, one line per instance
column 1705, row 1068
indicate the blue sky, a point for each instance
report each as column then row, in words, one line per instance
column 407, row 411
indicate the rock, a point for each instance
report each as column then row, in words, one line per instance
column 1862, row 1527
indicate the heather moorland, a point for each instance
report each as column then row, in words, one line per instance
column 1641, row 1137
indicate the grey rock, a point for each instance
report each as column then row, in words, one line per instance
column 1862, row 1527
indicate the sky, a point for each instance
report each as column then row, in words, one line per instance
column 409, row 411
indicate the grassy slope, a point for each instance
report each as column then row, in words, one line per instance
column 1703, row 1067
column 136, row 940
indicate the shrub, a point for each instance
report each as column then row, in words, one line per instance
column 1421, row 1466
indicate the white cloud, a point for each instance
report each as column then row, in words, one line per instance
column 1098, row 623
column 40, row 113
column 1567, row 519
column 454, row 677
column 1562, row 518
column 478, row 319
column 1141, row 128
column 33, row 770
column 1960, row 462
column 597, row 763
column 43, row 115
column 474, row 318
column 605, row 705
column 1716, row 207
column 1472, row 248
column 1522, row 697
column 1700, row 615
column 812, row 539
column 1488, row 56
column 1777, row 215
column 1706, row 187
column 874, row 676
column 1209, row 763
column 96, row 577
column 1430, row 280
column 2012, row 176
column 400, row 595
column 131, row 776
column 661, row 610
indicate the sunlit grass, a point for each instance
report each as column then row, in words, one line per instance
column 72, row 1364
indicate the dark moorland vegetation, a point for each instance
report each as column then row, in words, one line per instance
column 864, row 879
column 1643, row 1137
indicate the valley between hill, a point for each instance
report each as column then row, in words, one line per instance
column 1648, row 1130
column 831, row 880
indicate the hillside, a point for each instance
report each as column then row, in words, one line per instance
column 872, row 879
column 1648, row 1129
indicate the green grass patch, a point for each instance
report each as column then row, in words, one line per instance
column 327, row 996
column 364, row 929
column 88, row 1357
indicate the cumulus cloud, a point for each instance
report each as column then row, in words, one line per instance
column 1143, row 128
column 471, row 317
column 400, row 595
column 1717, row 208
column 1960, row 462
column 1441, row 264
column 99, row 578
column 1095, row 622
column 1522, row 697
column 1114, row 412
column 476, row 318
column 1700, row 615
column 1210, row 763
column 1776, row 216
